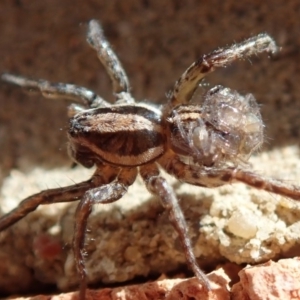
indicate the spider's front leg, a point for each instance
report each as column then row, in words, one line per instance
column 107, row 193
column 187, row 84
column 160, row 187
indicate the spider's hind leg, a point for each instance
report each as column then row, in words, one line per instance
column 57, row 90
column 110, row 61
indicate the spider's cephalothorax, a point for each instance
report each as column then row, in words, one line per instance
column 205, row 145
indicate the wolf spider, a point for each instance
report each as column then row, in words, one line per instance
column 205, row 145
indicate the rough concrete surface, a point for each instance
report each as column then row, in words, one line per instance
column 269, row 281
column 266, row 281
column 156, row 41
column 164, row 289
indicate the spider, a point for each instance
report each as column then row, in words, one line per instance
column 204, row 142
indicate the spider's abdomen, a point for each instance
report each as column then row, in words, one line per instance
column 128, row 135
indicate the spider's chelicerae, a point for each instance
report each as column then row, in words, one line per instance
column 205, row 145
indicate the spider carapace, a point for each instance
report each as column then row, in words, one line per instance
column 205, row 142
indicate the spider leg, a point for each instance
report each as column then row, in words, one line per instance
column 268, row 184
column 108, row 58
column 57, row 90
column 187, row 84
column 107, row 193
column 193, row 174
column 213, row 177
column 103, row 174
column 159, row 186
column 64, row 194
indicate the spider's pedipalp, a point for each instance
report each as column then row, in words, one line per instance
column 110, row 61
column 57, row 90
column 188, row 82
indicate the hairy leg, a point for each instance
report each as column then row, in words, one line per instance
column 108, row 58
column 57, row 90
column 188, row 82
column 64, row 194
column 159, row 187
column 107, row 193
column 214, row 177
column 103, row 174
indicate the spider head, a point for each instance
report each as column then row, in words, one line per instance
column 226, row 129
